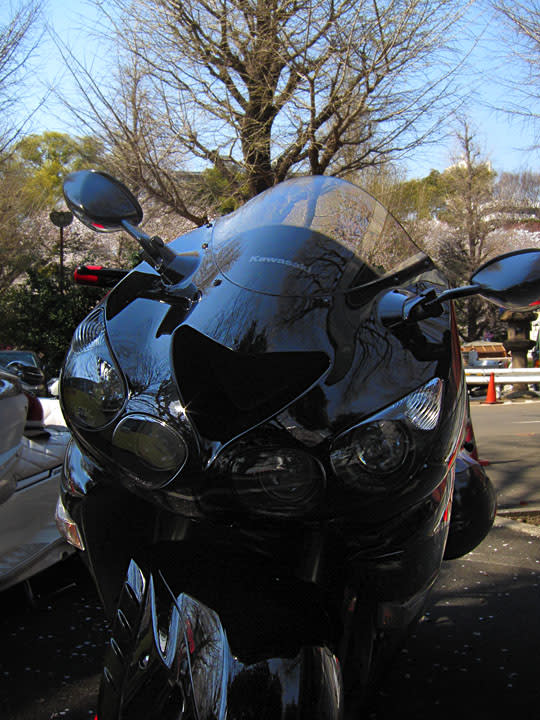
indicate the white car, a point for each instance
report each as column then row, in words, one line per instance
column 30, row 470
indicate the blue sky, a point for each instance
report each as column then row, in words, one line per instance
column 506, row 141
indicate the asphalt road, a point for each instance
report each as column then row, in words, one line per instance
column 476, row 653
column 508, row 436
column 50, row 654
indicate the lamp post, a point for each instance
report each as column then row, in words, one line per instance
column 61, row 219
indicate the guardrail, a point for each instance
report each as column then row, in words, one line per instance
column 503, row 376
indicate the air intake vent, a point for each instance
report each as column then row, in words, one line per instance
column 226, row 393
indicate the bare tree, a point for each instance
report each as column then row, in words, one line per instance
column 469, row 208
column 470, row 226
column 519, row 191
column 19, row 39
column 523, row 23
column 259, row 89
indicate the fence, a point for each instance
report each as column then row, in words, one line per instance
column 503, row 376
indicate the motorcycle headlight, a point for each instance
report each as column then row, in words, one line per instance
column 149, row 449
column 92, row 389
column 271, row 482
column 279, row 482
column 382, row 452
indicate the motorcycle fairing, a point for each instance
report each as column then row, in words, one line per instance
column 285, row 274
column 376, row 367
column 151, row 333
column 169, row 656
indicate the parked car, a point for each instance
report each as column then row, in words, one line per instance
column 484, row 354
column 27, row 366
column 30, row 469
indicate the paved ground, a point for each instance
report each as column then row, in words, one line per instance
column 50, row 655
column 508, row 435
column 476, row 653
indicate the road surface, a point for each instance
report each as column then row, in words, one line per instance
column 508, row 435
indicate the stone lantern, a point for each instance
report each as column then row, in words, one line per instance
column 518, row 342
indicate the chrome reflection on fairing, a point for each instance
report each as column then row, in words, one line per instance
column 136, row 581
column 80, row 473
column 92, row 389
column 67, row 527
column 169, row 657
column 162, row 641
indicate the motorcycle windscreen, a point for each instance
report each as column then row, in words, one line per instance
column 309, row 237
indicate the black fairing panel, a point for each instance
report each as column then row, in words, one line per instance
column 215, row 360
column 362, row 366
column 241, row 389
column 169, row 657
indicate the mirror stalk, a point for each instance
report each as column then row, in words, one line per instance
column 172, row 267
column 398, row 308
column 430, row 304
column 460, row 292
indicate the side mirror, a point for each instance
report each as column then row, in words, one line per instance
column 511, row 280
column 105, row 204
column 100, row 201
column 28, row 374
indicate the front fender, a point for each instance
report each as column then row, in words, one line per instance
column 474, row 507
column 169, row 657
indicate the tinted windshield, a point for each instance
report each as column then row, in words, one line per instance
column 8, row 356
column 311, row 235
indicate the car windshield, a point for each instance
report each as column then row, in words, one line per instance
column 22, row 356
column 323, row 233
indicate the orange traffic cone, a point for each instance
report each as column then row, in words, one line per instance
column 491, row 397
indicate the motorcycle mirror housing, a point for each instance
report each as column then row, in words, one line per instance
column 511, row 280
column 104, row 204
column 100, row 201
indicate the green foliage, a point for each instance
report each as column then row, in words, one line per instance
column 422, row 199
column 37, row 316
column 48, row 158
column 30, row 186
column 218, row 192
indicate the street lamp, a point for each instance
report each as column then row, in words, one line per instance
column 61, row 218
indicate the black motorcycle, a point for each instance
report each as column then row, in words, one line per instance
column 266, row 415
